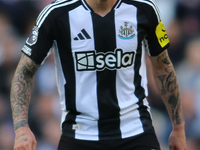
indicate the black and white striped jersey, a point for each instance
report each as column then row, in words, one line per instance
column 100, row 64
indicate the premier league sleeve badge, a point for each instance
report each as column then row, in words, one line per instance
column 33, row 36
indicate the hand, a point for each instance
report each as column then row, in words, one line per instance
column 24, row 139
column 177, row 139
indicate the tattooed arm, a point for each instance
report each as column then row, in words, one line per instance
column 21, row 89
column 166, row 82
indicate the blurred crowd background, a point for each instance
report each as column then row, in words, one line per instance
column 182, row 22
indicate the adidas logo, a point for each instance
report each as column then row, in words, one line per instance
column 82, row 36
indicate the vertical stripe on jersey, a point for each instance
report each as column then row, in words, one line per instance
column 59, row 77
column 61, row 90
column 66, row 57
column 104, row 34
column 86, row 89
column 130, row 122
column 139, row 80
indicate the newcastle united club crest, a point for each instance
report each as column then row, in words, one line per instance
column 126, row 32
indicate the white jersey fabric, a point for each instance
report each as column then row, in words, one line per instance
column 100, row 64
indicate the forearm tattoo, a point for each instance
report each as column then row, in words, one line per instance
column 21, row 91
column 170, row 88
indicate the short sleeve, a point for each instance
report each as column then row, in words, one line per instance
column 40, row 41
column 156, row 40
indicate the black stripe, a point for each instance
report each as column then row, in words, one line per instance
column 139, row 90
column 46, row 11
column 42, row 12
column 63, row 39
column 84, row 4
column 76, row 39
column 117, row 3
column 146, row 8
column 81, row 36
column 156, row 8
column 70, row 89
column 140, row 94
column 104, row 34
column 86, row 34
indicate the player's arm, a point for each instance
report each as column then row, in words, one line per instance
column 166, row 82
column 21, row 90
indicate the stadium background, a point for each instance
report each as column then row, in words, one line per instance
column 182, row 21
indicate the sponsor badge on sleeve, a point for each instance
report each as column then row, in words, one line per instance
column 162, row 35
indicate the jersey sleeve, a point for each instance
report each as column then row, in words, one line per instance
column 156, row 40
column 40, row 41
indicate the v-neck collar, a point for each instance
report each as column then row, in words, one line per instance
column 87, row 7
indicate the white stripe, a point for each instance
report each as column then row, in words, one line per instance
column 45, row 9
column 146, row 103
column 131, row 124
column 153, row 6
column 156, row 8
column 117, row 4
column 63, row 117
column 86, row 82
column 86, row 5
column 129, row 115
column 46, row 13
column 59, row 77
column 143, row 72
column 145, row 46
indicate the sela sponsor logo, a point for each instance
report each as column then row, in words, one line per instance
column 90, row 60
column 27, row 50
column 127, row 32
column 162, row 35
column 33, row 37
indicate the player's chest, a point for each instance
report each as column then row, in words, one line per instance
column 116, row 30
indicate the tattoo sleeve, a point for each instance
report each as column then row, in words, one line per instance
column 168, row 85
column 21, row 89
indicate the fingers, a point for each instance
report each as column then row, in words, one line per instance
column 31, row 147
column 177, row 148
column 171, row 148
column 34, row 145
column 26, row 146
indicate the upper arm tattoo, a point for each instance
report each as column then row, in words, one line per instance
column 21, row 91
column 170, row 87
column 163, row 58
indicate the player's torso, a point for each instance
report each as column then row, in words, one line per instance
column 102, row 62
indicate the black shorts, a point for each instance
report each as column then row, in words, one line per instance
column 144, row 141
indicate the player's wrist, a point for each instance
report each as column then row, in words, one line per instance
column 179, row 127
column 19, row 124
